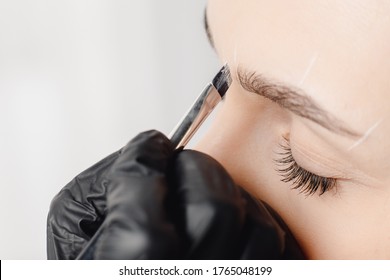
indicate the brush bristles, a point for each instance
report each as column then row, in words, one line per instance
column 222, row 80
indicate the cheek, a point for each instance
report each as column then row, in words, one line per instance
column 353, row 224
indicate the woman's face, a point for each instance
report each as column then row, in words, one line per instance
column 326, row 66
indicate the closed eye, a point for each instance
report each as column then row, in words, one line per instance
column 303, row 180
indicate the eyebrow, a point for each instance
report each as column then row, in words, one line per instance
column 294, row 100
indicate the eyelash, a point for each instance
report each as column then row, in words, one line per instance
column 303, row 180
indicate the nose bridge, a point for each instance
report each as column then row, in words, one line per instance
column 236, row 126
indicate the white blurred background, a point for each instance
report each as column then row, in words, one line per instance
column 79, row 79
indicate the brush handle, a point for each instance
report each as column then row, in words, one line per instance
column 196, row 115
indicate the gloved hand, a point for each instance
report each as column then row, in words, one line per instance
column 150, row 201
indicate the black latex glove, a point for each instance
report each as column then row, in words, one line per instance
column 149, row 201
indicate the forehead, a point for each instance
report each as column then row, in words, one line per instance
column 329, row 48
column 289, row 32
column 334, row 18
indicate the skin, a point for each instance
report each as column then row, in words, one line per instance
column 337, row 53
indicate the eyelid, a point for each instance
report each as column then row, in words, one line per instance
column 323, row 166
column 318, row 164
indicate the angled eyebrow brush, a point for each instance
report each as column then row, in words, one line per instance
column 202, row 107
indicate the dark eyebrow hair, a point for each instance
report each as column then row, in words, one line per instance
column 207, row 29
column 292, row 99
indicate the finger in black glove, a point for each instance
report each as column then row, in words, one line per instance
column 157, row 203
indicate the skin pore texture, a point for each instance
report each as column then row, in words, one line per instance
column 336, row 54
